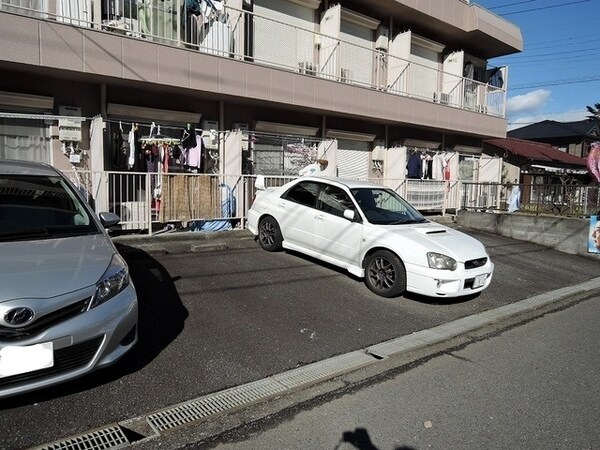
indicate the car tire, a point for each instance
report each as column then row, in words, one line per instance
column 269, row 234
column 385, row 274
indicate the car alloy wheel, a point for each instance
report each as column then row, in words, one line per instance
column 269, row 234
column 385, row 274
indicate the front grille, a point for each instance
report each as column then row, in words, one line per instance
column 8, row 334
column 474, row 263
column 65, row 360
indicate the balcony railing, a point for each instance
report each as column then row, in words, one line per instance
column 242, row 35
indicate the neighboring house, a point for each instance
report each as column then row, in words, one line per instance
column 569, row 137
column 251, row 86
column 534, row 163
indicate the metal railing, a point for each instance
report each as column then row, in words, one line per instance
column 150, row 201
column 547, row 199
column 243, row 35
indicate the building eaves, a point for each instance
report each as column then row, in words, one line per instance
column 536, row 151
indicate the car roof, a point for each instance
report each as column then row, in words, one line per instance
column 15, row 167
column 348, row 182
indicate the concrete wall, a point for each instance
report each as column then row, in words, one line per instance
column 565, row 234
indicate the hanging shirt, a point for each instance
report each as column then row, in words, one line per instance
column 414, row 166
column 194, row 154
column 131, row 155
column 437, row 167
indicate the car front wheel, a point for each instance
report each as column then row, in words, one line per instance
column 385, row 274
column 269, row 234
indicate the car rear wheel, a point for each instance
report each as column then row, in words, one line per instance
column 385, row 274
column 269, row 234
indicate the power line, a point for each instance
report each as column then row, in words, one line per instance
column 545, row 7
column 535, row 54
column 535, row 62
column 512, row 4
column 569, row 52
column 582, row 80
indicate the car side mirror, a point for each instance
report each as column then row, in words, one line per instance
column 108, row 219
column 350, row 214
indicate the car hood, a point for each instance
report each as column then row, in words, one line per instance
column 50, row 267
column 433, row 237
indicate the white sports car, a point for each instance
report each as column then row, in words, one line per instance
column 373, row 233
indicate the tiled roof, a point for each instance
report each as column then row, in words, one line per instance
column 552, row 129
column 536, row 151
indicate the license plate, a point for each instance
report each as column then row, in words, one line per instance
column 479, row 280
column 15, row 360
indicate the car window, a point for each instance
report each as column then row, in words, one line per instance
column 334, row 200
column 40, row 206
column 304, row 193
column 385, row 207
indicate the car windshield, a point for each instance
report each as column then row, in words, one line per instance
column 41, row 207
column 385, row 207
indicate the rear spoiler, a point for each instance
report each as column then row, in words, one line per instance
column 260, row 183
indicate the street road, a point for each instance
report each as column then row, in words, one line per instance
column 214, row 320
column 531, row 387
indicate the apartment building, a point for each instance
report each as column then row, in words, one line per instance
column 255, row 86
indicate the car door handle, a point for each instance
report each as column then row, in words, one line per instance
column 281, row 204
column 319, row 217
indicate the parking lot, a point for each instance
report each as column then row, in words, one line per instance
column 214, row 319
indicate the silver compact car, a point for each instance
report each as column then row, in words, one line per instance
column 67, row 304
column 373, row 233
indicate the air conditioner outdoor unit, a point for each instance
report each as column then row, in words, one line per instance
column 210, row 125
column 307, row 67
column 346, row 76
column 441, row 97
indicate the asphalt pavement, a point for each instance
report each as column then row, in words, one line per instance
column 262, row 334
column 242, row 416
column 533, row 386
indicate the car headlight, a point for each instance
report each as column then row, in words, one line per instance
column 113, row 281
column 439, row 261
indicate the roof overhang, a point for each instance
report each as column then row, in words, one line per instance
column 466, row 26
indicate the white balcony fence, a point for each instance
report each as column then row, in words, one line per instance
column 149, row 201
column 207, row 202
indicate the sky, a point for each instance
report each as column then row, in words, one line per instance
column 558, row 72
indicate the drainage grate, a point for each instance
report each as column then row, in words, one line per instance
column 230, row 399
column 212, row 404
column 323, row 370
column 102, row 439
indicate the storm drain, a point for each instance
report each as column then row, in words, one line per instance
column 246, row 394
column 107, row 438
column 329, row 368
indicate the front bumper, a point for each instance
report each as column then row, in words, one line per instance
column 445, row 283
column 81, row 344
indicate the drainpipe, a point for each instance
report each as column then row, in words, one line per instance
column 103, row 101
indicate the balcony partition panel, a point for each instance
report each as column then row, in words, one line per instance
column 356, row 54
column 282, row 36
column 424, row 77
